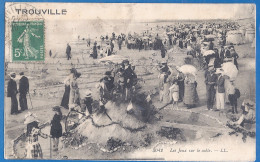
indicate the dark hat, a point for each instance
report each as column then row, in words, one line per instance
column 126, row 61
column 108, row 73
column 73, row 70
column 78, row 75
column 56, row 108
column 21, row 73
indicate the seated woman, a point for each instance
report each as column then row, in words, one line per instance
column 248, row 116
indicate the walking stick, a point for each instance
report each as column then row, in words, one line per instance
column 30, row 99
column 50, row 149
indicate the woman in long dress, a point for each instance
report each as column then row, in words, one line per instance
column 66, row 95
column 191, row 97
column 180, row 81
column 164, row 88
column 74, row 98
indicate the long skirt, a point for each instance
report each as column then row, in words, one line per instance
column 181, row 90
column 65, row 98
column 190, row 94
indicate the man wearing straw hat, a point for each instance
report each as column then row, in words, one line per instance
column 23, row 90
column 12, row 92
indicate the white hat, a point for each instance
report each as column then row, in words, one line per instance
column 12, row 73
column 219, row 70
column 88, row 93
column 30, row 117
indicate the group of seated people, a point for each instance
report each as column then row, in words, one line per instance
column 247, row 118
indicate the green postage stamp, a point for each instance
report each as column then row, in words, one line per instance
column 28, row 40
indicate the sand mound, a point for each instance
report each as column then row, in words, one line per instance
column 101, row 135
column 124, row 126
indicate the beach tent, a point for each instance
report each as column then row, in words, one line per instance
column 234, row 37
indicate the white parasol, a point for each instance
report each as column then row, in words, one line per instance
column 188, row 69
column 230, row 70
column 171, row 32
column 210, row 36
column 116, row 59
column 189, row 48
column 208, row 52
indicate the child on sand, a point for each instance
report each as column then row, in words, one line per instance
column 33, row 148
column 86, row 103
column 56, row 128
column 174, row 93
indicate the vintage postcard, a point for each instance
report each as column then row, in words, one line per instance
column 126, row 81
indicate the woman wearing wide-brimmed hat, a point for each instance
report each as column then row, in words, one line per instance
column 33, row 148
column 66, row 95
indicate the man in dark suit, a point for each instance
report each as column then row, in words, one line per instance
column 95, row 51
column 210, row 81
column 23, row 90
column 12, row 92
column 68, row 51
column 129, row 77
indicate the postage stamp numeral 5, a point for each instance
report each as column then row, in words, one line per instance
column 28, row 41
